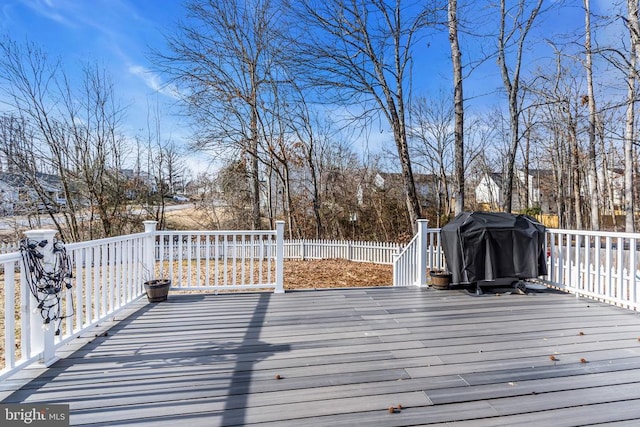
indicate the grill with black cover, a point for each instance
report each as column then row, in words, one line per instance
column 486, row 246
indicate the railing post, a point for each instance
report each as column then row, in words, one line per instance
column 279, row 289
column 396, row 269
column 42, row 335
column 148, row 251
column 422, row 252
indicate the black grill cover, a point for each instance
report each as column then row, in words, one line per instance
column 491, row 245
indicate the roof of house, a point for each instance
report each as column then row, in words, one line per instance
column 48, row 181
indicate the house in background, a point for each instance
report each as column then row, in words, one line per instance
column 18, row 197
column 9, row 196
column 615, row 194
column 428, row 187
column 488, row 192
column 533, row 191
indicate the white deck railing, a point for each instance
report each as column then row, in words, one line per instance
column 213, row 260
column 6, row 248
column 109, row 273
column 598, row 265
column 603, row 266
column 423, row 254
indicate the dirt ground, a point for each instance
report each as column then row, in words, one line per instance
column 335, row 273
column 309, row 274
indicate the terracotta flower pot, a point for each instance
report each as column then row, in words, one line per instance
column 157, row 289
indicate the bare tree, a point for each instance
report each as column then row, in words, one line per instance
column 435, row 145
column 309, row 135
column 97, row 145
column 70, row 131
column 222, row 61
column 360, row 52
column 629, row 132
column 515, row 36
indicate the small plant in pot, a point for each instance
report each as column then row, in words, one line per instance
column 157, row 289
column 440, row 279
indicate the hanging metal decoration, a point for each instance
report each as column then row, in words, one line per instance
column 48, row 277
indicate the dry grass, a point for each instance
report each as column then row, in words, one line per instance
column 335, row 273
column 189, row 219
column 298, row 274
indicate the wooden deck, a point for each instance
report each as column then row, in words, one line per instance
column 345, row 356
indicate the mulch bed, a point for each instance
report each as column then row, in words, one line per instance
column 335, row 273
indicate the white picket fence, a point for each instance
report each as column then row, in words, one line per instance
column 358, row 251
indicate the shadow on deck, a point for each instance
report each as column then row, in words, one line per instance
column 344, row 356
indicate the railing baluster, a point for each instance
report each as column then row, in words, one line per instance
column 25, row 311
column 104, row 288
column 217, row 264
column 207, row 263
column 9, row 315
column 633, row 272
column 117, row 260
column 198, row 275
column 243, row 258
column 620, row 268
column 88, row 290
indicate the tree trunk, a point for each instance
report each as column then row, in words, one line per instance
column 254, row 174
column 525, row 168
column 411, row 195
column 507, row 184
column 458, row 101
column 591, row 159
column 575, row 170
column 629, row 133
column 315, row 194
column 628, row 150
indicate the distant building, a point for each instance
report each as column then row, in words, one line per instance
column 18, row 195
column 428, row 187
column 534, row 191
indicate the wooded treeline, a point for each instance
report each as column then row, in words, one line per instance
column 325, row 115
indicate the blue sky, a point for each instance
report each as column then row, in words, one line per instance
column 118, row 34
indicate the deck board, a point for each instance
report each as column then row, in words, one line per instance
column 345, row 355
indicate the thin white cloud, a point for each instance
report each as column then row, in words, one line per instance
column 154, row 81
column 55, row 11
